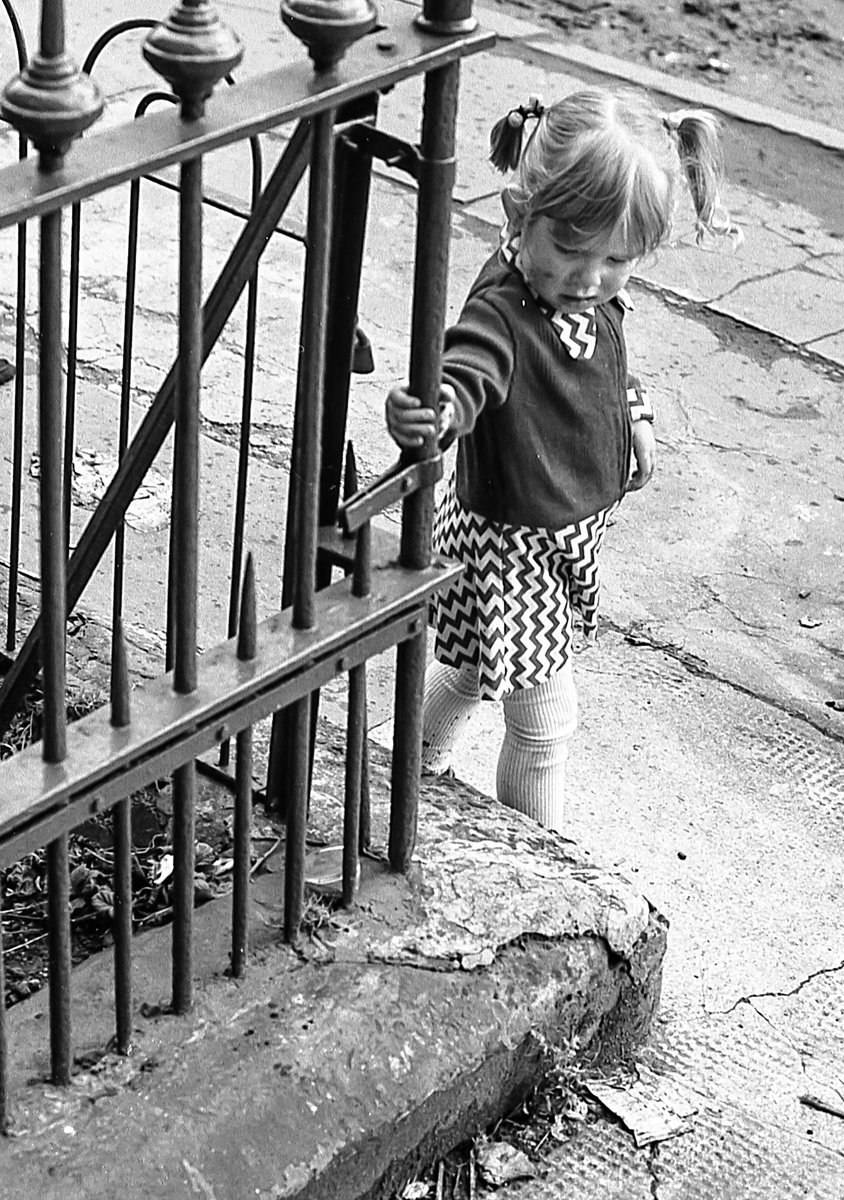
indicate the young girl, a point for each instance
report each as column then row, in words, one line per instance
column 552, row 430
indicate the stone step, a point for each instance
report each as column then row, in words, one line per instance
column 397, row 1029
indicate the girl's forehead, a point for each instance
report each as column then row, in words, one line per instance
column 612, row 242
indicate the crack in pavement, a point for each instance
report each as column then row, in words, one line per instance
column 721, row 1012
column 652, row 1161
column 636, row 636
column 722, row 323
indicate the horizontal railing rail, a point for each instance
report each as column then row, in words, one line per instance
column 108, row 158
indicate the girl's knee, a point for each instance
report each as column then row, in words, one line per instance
column 544, row 715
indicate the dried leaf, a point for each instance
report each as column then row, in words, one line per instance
column 649, row 1105
column 164, row 869
column 417, row 1190
column 500, row 1163
column 204, row 854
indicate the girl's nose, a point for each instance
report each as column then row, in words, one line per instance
column 587, row 278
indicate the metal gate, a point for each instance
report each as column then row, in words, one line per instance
column 349, row 590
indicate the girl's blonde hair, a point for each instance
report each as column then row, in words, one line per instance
column 601, row 163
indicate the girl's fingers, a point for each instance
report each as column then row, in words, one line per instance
column 409, row 423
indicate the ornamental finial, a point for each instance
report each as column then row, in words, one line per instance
column 193, row 50
column 328, row 27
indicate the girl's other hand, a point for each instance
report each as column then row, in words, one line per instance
column 644, row 455
column 410, row 424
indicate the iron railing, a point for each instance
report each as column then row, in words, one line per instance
column 325, row 626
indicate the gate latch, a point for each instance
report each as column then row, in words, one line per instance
column 401, row 480
column 392, row 151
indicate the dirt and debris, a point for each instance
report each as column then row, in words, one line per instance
column 91, row 859
column 23, row 885
column 789, row 55
column 516, row 1147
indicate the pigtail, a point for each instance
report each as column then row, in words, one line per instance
column 505, row 140
column 697, row 136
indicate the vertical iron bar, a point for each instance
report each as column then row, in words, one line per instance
column 353, row 175
column 436, row 180
column 304, row 490
column 52, row 42
column 365, row 835
column 53, row 558
column 245, row 431
column 170, row 631
column 363, row 565
column 20, row 371
column 122, row 820
column 53, row 591
column 122, row 847
column 355, row 730
column 242, row 466
column 186, row 520
column 59, row 957
column 350, row 189
column 246, row 650
column 245, row 420
column 4, row 1045
column 72, row 345
column 355, row 733
column 184, row 818
column 309, row 400
column 407, row 748
column 17, row 437
column 297, row 817
column 126, row 386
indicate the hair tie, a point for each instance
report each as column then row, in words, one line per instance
column 505, row 141
column 673, row 120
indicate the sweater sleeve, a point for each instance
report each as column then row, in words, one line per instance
column 641, row 408
column 478, row 362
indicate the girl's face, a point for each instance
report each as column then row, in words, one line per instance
column 572, row 277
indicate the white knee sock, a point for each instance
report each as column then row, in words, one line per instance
column 532, row 765
column 451, row 696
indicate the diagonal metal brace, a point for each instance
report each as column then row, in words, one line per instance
column 392, row 151
column 401, row 480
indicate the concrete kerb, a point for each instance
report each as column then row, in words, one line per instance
column 396, row 1030
column 686, row 93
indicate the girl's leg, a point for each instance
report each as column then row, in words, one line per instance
column 539, row 723
column 451, row 696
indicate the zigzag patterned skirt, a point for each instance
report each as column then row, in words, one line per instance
column 510, row 612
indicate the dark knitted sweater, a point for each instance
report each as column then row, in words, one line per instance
column 544, row 438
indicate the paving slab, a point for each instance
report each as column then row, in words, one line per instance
column 797, row 305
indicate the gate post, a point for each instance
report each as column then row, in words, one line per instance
column 436, row 180
column 352, row 175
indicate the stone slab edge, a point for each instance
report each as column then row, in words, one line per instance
column 686, row 92
column 333, row 1072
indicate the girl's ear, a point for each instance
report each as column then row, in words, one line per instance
column 515, row 206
